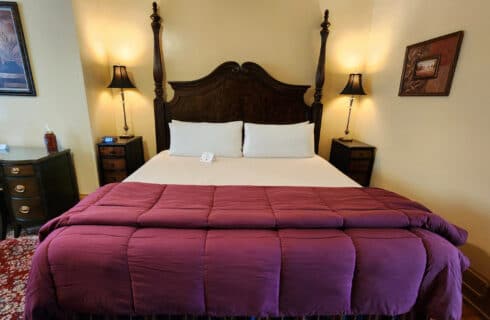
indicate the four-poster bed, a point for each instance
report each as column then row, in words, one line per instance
column 235, row 92
column 298, row 249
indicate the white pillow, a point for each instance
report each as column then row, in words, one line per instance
column 292, row 124
column 194, row 138
column 299, row 123
column 279, row 141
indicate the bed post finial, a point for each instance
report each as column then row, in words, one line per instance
column 161, row 121
column 317, row 106
column 157, row 52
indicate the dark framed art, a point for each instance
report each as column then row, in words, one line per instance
column 15, row 69
column 426, row 68
column 429, row 66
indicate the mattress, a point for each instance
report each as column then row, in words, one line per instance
column 315, row 172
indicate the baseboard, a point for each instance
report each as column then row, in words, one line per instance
column 476, row 292
column 81, row 196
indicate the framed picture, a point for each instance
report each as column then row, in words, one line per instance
column 15, row 70
column 429, row 66
column 426, row 68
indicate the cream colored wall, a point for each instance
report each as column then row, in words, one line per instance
column 89, row 21
column 61, row 102
column 346, row 53
column 281, row 35
column 117, row 32
column 433, row 149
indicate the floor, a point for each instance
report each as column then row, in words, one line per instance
column 469, row 313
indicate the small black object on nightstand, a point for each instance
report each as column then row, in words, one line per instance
column 119, row 159
column 354, row 158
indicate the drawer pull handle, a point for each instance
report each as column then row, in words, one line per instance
column 20, row 188
column 15, row 170
column 24, row 209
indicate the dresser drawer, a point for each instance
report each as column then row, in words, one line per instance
column 112, row 151
column 114, row 164
column 358, row 165
column 28, row 209
column 114, row 176
column 18, row 171
column 361, row 154
column 23, row 187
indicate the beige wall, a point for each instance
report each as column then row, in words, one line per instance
column 96, row 68
column 346, row 53
column 433, row 149
column 106, row 39
column 61, row 102
column 281, row 35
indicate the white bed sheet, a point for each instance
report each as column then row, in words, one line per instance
column 166, row 169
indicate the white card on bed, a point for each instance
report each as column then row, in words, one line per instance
column 207, row 157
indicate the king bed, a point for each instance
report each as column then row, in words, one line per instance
column 244, row 236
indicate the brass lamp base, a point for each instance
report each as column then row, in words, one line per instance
column 346, row 138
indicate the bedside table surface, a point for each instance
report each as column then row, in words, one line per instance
column 120, row 141
column 17, row 154
column 354, row 144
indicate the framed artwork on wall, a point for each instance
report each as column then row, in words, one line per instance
column 429, row 66
column 15, row 69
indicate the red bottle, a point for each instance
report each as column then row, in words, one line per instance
column 50, row 141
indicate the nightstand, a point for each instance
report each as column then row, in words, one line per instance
column 117, row 160
column 354, row 158
column 35, row 186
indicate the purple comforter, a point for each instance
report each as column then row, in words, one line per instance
column 135, row 248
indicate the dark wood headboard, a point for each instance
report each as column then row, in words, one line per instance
column 234, row 92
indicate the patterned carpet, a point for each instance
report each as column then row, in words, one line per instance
column 15, row 262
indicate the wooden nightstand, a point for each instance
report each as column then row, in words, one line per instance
column 119, row 159
column 35, row 186
column 353, row 158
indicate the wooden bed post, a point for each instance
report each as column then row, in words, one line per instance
column 317, row 106
column 162, row 136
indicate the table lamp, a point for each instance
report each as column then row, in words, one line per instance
column 352, row 88
column 121, row 81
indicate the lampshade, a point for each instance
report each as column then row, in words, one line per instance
column 120, row 78
column 354, row 85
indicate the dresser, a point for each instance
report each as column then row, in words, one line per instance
column 117, row 160
column 354, row 158
column 35, row 186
